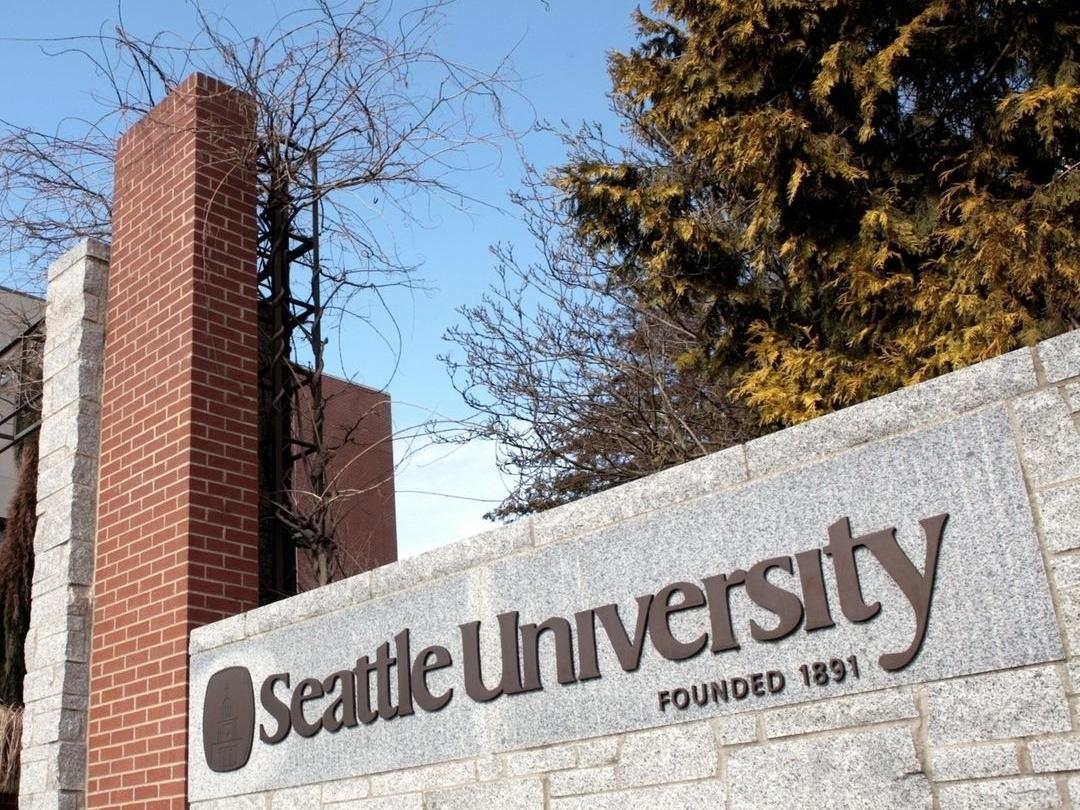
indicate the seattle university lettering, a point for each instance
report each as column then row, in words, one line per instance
column 363, row 693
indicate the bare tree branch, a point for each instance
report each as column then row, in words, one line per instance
column 575, row 374
column 356, row 89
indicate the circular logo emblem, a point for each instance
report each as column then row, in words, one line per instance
column 228, row 719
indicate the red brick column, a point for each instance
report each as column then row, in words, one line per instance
column 177, row 504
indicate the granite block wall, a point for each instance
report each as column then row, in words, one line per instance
column 56, row 687
column 984, row 716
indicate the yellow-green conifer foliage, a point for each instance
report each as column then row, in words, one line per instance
column 867, row 193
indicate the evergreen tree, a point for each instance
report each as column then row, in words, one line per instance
column 857, row 194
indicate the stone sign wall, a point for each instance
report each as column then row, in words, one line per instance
column 874, row 609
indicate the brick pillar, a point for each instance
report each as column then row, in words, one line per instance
column 177, row 530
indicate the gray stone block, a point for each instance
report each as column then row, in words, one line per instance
column 66, row 312
column 667, row 797
column 34, row 774
column 573, row 519
column 448, row 735
column 76, row 680
column 1066, row 571
column 953, row 394
column 489, row 767
column 675, row 754
column 411, row 801
column 1069, row 610
column 736, row 730
column 318, row 602
column 235, row 803
column 538, row 760
column 600, row 751
column 1072, row 396
column 77, row 380
column 73, row 428
column 51, row 567
column 975, row 762
column 451, row 558
column 875, row 769
column 1072, row 680
column 664, row 489
column 582, row 780
column 1048, row 437
column 303, row 798
column 52, row 800
column 58, row 725
column 421, row 779
column 76, row 469
column 57, row 605
column 35, row 753
column 1055, row 754
column 999, row 705
column 62, row 566
column 693, row 479
column 1021, row 793
column 71, row 765
column 43, row 688
column 86, row 249
column 1060, row 356
column 344, row 790
column 52, row 648
column 824, row 715
column 219, row 633
column 522, row 794
column 1059, row 516
column 61, row 349
column 67, row 516
column 69, row 725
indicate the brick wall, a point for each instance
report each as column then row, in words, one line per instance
column 177, row 509
column 360, row 436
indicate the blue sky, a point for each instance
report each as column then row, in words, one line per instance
column 557, row 50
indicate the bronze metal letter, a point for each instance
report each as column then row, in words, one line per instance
column 717, row 589
column 786, row 605
column 276, row 708
column 659, row 623
column 510, row 683
column 815, row 597
column 346, row 701
column 307, row 690
column 383, row 662
column 564, row 651
column 404, row 674
column 588, row 666
column 918, row 588
column 364, row 713
column 440, row 659
column 841, row 548
column 626, row 650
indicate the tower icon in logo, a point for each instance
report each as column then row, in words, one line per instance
column 228, row 719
